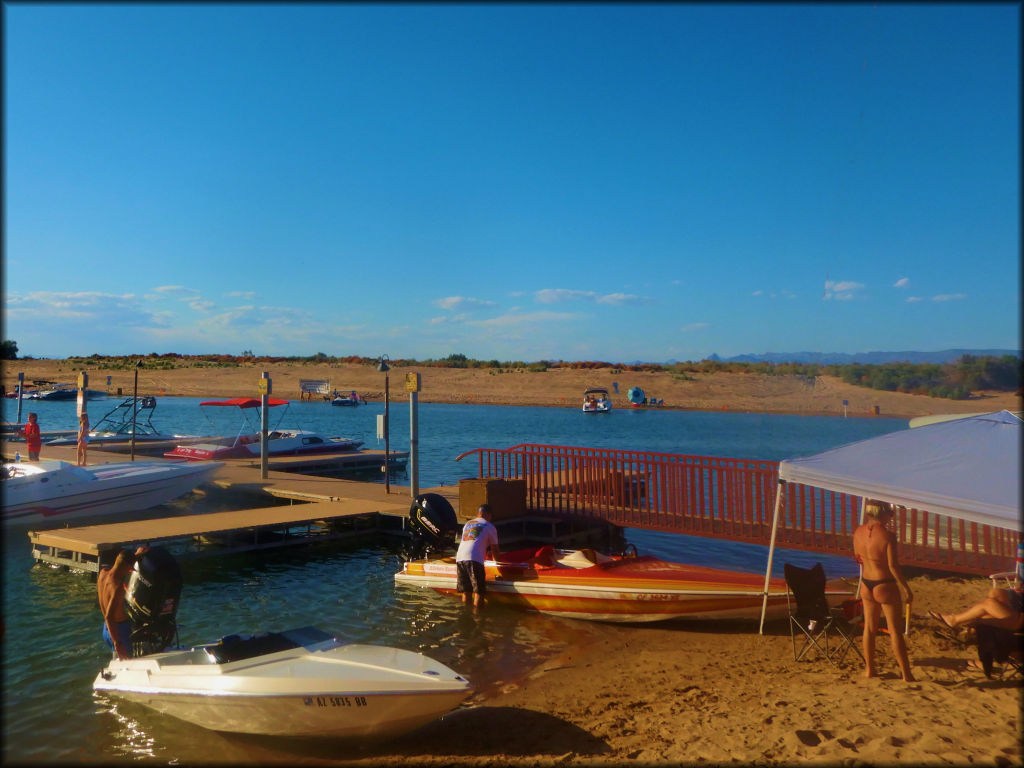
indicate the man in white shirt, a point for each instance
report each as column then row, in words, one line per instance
column 478, row 536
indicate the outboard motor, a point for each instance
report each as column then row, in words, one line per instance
column 151, row 601
column 433, row 524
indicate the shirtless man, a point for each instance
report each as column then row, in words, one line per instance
column 874, row 548
column 110, row 588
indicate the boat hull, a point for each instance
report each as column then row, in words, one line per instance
column 292, row 444
column 644, row 590
column 72, row 492
column 322, row 689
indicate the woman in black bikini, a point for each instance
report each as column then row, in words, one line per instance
column 874, row 548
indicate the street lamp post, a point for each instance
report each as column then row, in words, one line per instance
column 383, row 367
column 135, row 405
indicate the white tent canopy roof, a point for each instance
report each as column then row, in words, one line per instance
column 968, row 469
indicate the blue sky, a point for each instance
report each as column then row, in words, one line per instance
column 511, row 182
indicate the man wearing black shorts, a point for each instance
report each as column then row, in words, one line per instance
column 478, row 537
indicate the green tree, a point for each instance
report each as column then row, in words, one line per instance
column 10, row 350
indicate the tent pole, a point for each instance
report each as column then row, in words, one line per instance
column 771, row 552
column 860, row 566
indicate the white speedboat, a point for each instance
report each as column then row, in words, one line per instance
column 132, row 416
column 302, row 682
column 596, row 400
column 55, row 491
column 347, row 400
column 280, row 442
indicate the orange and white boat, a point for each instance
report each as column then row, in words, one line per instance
column 584, row 584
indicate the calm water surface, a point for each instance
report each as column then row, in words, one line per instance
column 51, row 645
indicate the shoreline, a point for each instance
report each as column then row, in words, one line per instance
column 685, row 693
column 556, row 388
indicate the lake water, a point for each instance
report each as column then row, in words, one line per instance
column 51, row 644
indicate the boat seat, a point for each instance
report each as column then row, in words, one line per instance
column 584, row 558
column 235, row 648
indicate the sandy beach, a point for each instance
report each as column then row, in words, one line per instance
column 679, row 692
column 684, row 693
column 561, row 387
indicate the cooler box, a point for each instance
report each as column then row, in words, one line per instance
column 506, row 497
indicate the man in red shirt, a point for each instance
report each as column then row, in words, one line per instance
column 33, row 438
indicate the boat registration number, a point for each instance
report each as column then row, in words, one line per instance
column 339, row 701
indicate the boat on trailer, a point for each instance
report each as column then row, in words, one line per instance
column 586, row 584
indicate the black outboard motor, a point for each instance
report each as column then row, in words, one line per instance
column 151, row 601
column 433, row 524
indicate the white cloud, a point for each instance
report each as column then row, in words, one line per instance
column 620, row 299
column 82, row 307
column 559, row 295
column 841, row 290
column 903, row 282
column 249, row 295
column 758, row 292
column 562, row 295
column 463, row 303
column 179, row 292
column 694, row 327
column 949, row 297
column 913, row 299
column 527, row 317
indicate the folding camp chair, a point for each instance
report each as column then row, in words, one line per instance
column 812, row 617
column 1002, row 646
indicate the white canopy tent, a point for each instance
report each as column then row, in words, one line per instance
column 967, row 469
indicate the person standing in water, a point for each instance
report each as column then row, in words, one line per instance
column 874, row 548
column 478, row 536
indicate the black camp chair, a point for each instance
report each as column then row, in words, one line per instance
column 813, row 619
column 997, row 645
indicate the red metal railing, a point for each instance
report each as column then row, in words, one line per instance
column 730, row 499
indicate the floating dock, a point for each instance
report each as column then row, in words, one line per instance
column 321, row 509
column 88, row 548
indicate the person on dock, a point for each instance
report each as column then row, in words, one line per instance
column 110, row 589
column 874, row 549
column 83, row 437
column 478, row 537
column 33, row 437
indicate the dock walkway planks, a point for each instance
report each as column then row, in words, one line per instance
column 87, row 547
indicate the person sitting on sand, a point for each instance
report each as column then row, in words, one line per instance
column 1001, row 608
column 874, row 548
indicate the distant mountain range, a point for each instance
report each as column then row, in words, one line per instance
column 841, row 358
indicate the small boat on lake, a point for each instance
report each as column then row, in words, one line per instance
column 301, row 682
column 596, row 400
column 585, row 584
column 132, row 415
column 280, row 442
column 298, row 683
column 53, row 492
column 350, row 399
column 295, row 442
column 63, row 391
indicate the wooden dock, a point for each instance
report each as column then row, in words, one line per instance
column 321, row 509
column 88, row 548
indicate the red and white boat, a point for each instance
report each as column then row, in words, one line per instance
column 280, row 442
column 584, row 584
